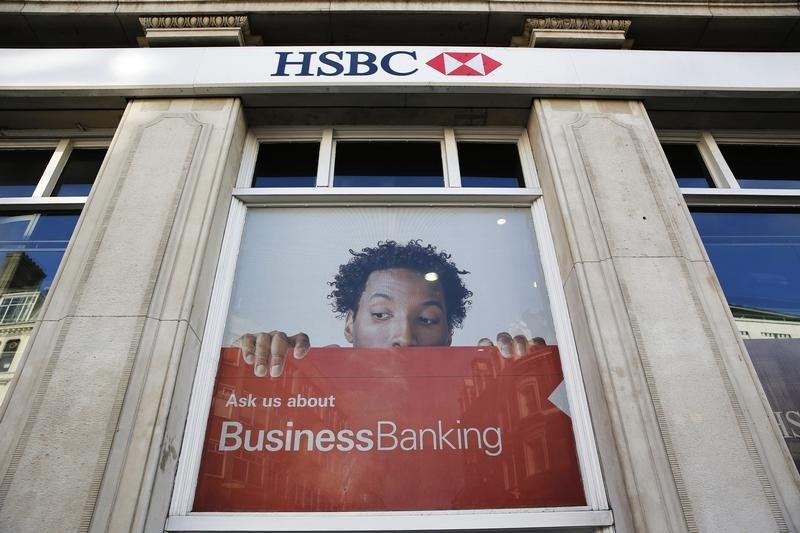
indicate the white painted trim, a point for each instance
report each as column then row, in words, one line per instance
column 325, row 164
column 472, row 196
column 751, row 198
column 53, row 169
column 249, row 157
column 287, row 134
column 529, row 173
column 496, row 134
column 203, row 388
column 42, row 204
column 368, row 133
column 591, row 474
column 28, row 144
column 716, row 164
column 397, row 521
column 452, row 169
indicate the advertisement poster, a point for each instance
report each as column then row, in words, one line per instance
column 388, row 359
column 777, row 362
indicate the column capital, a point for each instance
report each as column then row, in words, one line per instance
column 212, row 30
column 573, row 32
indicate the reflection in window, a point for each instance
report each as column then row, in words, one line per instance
column 7, row 355
column 756, row 256
column 21, row 170
column 80, row 171
column 687, row 165
column 762, row 166
column 31, row 247
column 490, row 165
column 388, row 164
column 286, row 165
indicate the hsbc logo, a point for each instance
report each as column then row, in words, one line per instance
column 362, row 63
column 463, row 64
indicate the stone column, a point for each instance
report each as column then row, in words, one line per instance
column 686, row 439
column 84, row 440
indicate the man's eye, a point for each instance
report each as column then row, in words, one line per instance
column 429, row 321
column 381, row 316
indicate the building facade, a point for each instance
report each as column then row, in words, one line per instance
column 577, row 231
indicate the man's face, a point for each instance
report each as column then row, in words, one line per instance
column 398, row 308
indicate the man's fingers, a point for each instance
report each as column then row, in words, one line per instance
column 301, row 345
column 504, row 344
column 278, row 349
column 247, row 346
column 485, row 342
column 520, row 345
column 262, row 351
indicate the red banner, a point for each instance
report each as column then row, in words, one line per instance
column 389, row 429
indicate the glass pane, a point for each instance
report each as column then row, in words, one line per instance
column 388, row 164
column 394, row 390
column 80, row 172
column 31, row 248
column 756, row 256
column 489, row 165
column 21, row 170
column 764, row 167
column 286, row 165
column 687, row 165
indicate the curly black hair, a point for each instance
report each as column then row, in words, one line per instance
column 349, row 283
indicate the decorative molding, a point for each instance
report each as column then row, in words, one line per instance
column 579, row 23
column 194, row 21
column 573, row 31
column 171, row 29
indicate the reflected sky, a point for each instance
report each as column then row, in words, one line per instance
column 756, row 256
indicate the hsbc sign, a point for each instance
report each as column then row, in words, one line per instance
column 399, row 63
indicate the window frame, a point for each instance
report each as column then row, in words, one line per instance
column 62, row 143
column 596, row 514
column 40, row 199
column 727, row 192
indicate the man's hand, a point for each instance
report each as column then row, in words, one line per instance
column 267, row 351
column 516, row 346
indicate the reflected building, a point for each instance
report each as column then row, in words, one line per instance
column 21, row 279
column 538, row 466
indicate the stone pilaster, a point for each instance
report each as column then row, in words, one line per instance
column 685, row 437
column 84, row 440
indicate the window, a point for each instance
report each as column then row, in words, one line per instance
column 404, row 350
column 43, row 186
column 7, row 355
column 750, row 225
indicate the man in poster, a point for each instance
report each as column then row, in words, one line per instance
column 390, row 295
column 412, row 416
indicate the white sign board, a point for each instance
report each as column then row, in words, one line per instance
column 231, row 71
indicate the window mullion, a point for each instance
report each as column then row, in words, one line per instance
column 325, row 158
column 452, row 172
column 53, row 169
column 712, row 156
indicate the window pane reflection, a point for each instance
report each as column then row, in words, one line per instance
column 388, row 164
column 763, row 167
column 21, row 170
column 489, row 165
column 286, row 165
column 756, row 256
column 79, row 172
column 687, row 165
column 31, row 248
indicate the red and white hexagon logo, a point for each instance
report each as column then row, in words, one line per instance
column 463, row 64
